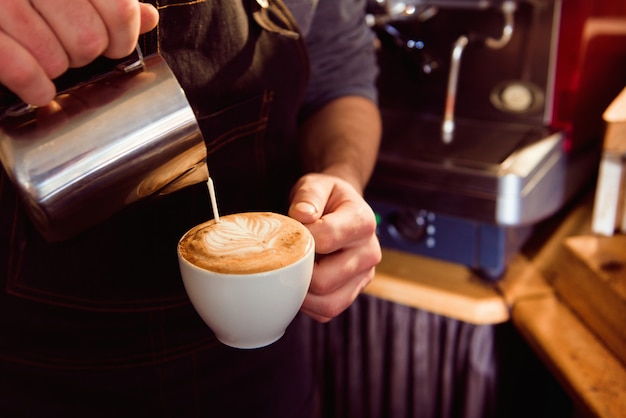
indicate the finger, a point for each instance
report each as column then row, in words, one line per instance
column 78, row 27
column 26, row 27
column 339, row 278
column 324, row 308
column 332, row 210
column 335, row 270
column 345, row 227
column 149, row 17
column 125, row 24
column 122, row 20
column 309, row 197
column 23, row 75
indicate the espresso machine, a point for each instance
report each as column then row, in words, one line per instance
column 470, row 160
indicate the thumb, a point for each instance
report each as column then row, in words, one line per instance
column 308, row 200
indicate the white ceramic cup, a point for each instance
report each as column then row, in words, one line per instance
column 249, row 310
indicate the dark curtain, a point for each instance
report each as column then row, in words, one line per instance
column 384, row 360
column 381, row 359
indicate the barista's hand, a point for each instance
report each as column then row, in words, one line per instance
column 41, row 39
column 344, row 228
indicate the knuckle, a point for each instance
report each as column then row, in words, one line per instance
column 21, row 80
column 326, row 239
column 89, row 47
column 333, row 309
column 370, row 226
column 128, row 18
column 376, row 255
column 368, row 220
column 328, row 243
column 57, row 65
column 127, row 11
column 93, row 44
column 321, row 287
column 49, row 55
column 364, row 283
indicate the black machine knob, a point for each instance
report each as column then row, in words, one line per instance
column 410, row 224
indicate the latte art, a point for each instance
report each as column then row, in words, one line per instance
column 239, row 235
column 246, row 243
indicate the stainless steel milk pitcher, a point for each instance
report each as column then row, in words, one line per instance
column 102, row 145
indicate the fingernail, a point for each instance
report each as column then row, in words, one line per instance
column 306, row 207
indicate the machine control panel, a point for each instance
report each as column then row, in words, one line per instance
column 484, row 248
column 413, row 225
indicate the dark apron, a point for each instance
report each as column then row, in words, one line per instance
column 104, row 317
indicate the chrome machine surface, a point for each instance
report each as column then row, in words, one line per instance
column 470, row 161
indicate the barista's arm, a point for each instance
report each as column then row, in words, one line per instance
column 342, row 139
column 340, row 142
column 340, row 133
column 341, row 128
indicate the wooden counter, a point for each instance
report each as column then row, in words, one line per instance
column 443, row 288
column 592, row 374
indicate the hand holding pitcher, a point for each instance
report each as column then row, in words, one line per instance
column 37, row 44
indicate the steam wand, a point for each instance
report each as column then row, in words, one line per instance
column 447, row 129
column 508, row 10
column 448, row 126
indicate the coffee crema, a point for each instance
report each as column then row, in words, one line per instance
column 244, row 243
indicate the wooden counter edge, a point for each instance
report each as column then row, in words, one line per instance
column 595, row 379
column 442, row 288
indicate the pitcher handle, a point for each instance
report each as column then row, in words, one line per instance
column 101, row 67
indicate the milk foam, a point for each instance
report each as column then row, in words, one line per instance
column 239, row 235
column 246, row 243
